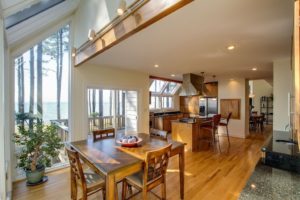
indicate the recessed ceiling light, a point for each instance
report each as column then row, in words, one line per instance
column 254, row 69
column 156, row 66
column 231, row 47
column 172, row 75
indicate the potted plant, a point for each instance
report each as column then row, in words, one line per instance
column 38, row 144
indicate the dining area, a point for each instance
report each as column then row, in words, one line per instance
column 110, row 162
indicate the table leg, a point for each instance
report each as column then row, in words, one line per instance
column 181, row 172
column 111, row 187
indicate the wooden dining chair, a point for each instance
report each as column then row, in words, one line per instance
column 103, row 133
column 212, row 126
column 87, row 180
column 225, row 124
column 160, row 134
column 152, row 175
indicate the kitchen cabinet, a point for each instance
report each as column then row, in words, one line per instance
column 211, row 89
column 163, row 122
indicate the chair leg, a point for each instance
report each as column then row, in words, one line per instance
column 73, row 188
column 129, row 189
column 228, row 135
column 163, row 190
column 103, row 194
column 124, row 189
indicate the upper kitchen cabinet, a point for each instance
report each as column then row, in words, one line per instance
column 211, row 89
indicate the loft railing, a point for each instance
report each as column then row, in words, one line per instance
column 142, row 14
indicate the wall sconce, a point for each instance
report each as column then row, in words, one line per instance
column 122, row 7
column 91, row 34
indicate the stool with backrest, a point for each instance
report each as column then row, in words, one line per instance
column 212, row 126
column 87, row 180
column 225, row 124
column 152, row 175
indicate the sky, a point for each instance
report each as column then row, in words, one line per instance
column 49, row 79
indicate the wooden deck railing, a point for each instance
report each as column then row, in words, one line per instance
column 104, row 122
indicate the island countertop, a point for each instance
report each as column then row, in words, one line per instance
column 271, row 183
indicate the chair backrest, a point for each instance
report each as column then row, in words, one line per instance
column 160, row 134
column 156, row 164
column 216, row 120
column 77, row 174
column 228, row 117
column 104, row 133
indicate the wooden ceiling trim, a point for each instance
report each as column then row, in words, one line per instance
column 141, row 18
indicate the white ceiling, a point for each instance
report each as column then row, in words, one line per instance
column 194, row 39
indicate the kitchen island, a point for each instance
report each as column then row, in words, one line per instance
column 188, row 131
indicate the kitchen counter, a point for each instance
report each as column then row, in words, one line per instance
column 188, row 131
column 270, row 183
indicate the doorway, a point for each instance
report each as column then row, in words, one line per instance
column 109, row 108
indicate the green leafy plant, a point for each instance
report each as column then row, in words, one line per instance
column 38, row 145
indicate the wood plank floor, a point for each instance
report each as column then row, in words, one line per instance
column 208, row 175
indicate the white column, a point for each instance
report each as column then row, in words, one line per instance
column 2, row 135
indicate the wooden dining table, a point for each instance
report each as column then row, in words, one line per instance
column 114, row 162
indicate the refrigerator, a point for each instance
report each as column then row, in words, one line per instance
column 208, row 106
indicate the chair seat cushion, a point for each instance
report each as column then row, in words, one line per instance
column 222, row 124
column 207, row 127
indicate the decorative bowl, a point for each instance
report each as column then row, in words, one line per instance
column 125, row 143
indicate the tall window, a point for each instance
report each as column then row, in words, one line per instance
column 41, row 83
column 162, row 94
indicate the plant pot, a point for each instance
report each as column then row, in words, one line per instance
column 35, row 177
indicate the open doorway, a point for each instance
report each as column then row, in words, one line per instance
column 112, row 109
column 261, row 104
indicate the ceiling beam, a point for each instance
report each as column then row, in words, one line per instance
column 142, row 17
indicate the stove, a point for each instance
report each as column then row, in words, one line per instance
column 281, row 153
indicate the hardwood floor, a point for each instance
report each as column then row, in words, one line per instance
column 208, row 175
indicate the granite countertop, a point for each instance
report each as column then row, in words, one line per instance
column 267, row 183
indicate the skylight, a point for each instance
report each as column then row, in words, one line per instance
column 32, row 11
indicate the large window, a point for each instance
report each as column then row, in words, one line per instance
column 41, row 85
column 162, row 94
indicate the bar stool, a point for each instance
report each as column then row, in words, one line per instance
column 225, row 124
column 212, row 126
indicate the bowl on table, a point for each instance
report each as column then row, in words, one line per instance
column 129, row 141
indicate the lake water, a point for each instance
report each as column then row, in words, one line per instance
column 49, row 110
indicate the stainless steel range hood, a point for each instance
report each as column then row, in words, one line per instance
column 192, row 84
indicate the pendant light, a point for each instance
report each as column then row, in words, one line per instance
column 91, row 34
column 122, row 7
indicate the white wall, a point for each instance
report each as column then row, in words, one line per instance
column 282, row 86
column 260, row 88
column 105, row 77
column 234, row 89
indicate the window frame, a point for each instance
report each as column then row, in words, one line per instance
column 162, row 94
